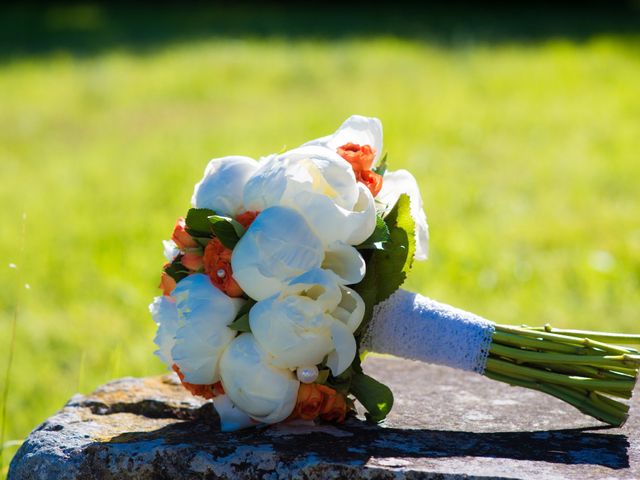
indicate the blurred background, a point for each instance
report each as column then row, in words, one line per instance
column 521, row 124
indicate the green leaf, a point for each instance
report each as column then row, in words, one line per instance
column 241, row 324
column 376, row 397
column 197, row 222
column 176, row 270
column 379, row 236
column 381, row 168
column 387, row 269
column 226, row 229
column 323, row 376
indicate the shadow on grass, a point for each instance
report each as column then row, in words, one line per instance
column 89, row 28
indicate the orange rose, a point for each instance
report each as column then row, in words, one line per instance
column 217, row 264
column 245, row 219
column 311, row 398
column 361, row 158
column 167, row 283
column 206, row 391
column 334, row 408
column 192, row 260
column 372, row 181
column 180, row 236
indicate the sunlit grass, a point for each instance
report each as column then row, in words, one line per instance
column 527, row 156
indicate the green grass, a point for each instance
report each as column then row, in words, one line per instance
column 527, row 155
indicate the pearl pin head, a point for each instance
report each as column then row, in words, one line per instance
column 307, row 374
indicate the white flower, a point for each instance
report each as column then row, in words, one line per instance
column 355, row 129
column 266, row 393
column 277, row 246
column 314, row 316
column 393, row 185
column 231, row 417
column 221, row 187
column 203, row 334
column 321, row 186
column 165, row 314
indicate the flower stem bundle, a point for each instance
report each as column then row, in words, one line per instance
column 589, row 370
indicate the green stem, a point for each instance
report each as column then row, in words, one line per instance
column 606, row 361
column 501, row 366
column 567, row 339
column 619, row 338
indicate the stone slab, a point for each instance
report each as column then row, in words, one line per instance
column 445, row 425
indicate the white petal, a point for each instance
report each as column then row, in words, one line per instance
column 346, row 262
column 231, row 417
column 266, row 393
column 350, row 311
column 205, row 312
column 279, row 179
column 333, row 223
column 396, row 183
column 293, row 330
column 165, row 314
column 356, row 129
column 171, row 250
column 221, row 187
column 345, row 348
column 278, row 246
column 318, row 284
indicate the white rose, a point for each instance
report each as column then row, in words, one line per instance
column 203, row 334
column 321, row 186
column 355, row 129
column 314, row 316
column 221, row 187
column 266, row 393
column 393, row 185
column 165, row 314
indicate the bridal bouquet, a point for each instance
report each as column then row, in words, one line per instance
column 287, row 271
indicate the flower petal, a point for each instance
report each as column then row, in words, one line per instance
column 333, row 223
column 205, row 312
column 355, row 129
column 171, row 250
column 351, row 309
column 345, row 261
column 277, row 246
column 281, row 178
column 221, row 187
column 399, row 182
column 165, row 314
column 345, row 348
column 293, row 330
column 231, row 417
column 266, row 393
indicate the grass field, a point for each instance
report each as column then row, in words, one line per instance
column 527, row 151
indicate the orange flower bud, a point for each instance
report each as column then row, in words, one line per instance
column 217, row 264
column 180, row 236
column 206, row 391
column 167, row 283
column 309, row 402
column 245, row 219
column 361, row 159
column 334, row 408
column 193, row 261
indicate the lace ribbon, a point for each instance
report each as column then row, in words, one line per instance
column 411, row 326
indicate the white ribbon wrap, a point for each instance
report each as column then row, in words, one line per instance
column 411, row 326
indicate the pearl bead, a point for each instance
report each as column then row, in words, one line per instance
column 307, row 374
column 221, row 273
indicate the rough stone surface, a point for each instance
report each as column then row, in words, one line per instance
column 445, row 424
